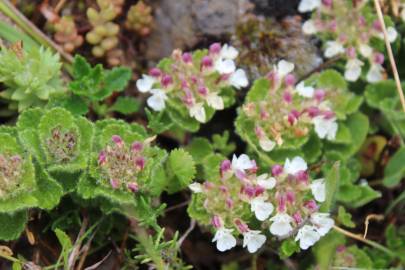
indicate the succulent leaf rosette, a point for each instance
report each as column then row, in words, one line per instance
column 280, row 115
column 30, row 76
column 191, row 87
column 357, row 38
column 285, row 201
column 123, row 164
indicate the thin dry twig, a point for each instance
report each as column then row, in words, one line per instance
column 390, row 54
column 94, row 266
column 368, row 218
column 186, row 233
column 76, row 248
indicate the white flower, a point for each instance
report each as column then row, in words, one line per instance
column 353, row 69
column 157, row 100
column 305, row 91
column 281, row 224
column 242, row 163
column 365, row 50
column 198, row 112
column 325, row 128
column 265, row 181
column 307, row 236
column 318, row 189
column 266, row 144
column 322, row 222
column 253, row 240
column 195, row 187
column 295, row 165
column 238, row 79
column 215, row 101
column 261, row 208
column 228, row 52
column 145, row 84
column 225, row 66
column 309, row 27
column 333, row 48
column 284, row 67
column 225, row 240
column 308, row 5
column 391, row 33
column 375, row 73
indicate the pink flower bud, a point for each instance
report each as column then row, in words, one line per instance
column 249, row 190
column 290, row 195
column 242, row 227
column 287, row 96
column 272, row 77
column 289, row 80
column 377, row 26
column 259, row 190
column 264, row 114
column 311, row 205
column 140, row 162
column 187, row 58
column 328, row 114
column 102, row 158
column 281, row 203
column 206, row 62
column 327, row 3
column 137, row 147
column 276, row 170
column 225, row 167
column 259, row 132
column 341, row 248
column 188, row 99
column 229, row 203
column 208, row 185
column 313, row 111
column 333, row 26
column 302, row 177
column 351, row 52
column 254, row 167
column 216, row 221
column 133, row 187
column 342, row 38
column 378, row 58
column 117, row 140
column 167, row 80
column 114, row 183
column 184, row 84
column 215, row 48
column 319, row 94
column 297, row 218
column 155, row 72
column 202, row 90
column 223, row 189
column 240, row 174
column 291, row 119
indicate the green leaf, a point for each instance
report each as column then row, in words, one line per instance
column 325, row 249
column 125, row 105
column 394, row 171
column 259, row 90
column 66, row 244
column 181, row 167
column 29, row 119
column 345, row 218
column 332, row 178
column 81, row 67
column 49, row 191
column 12, row 224
column 288, row 247
column 158, row 122
column 331, row 79
column 200, row 148
column 117, row 79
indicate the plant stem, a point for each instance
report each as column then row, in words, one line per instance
column 366, row 241
column 390, row 54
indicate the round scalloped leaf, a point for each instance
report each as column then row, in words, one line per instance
column 197, row 211
column 180, row 169
column 49, row 191
column 180, row 116
column 12, row 225
column 29, row 119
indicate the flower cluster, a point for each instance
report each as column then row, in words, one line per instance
column 62, row 145
column 121, row 164
column 195, row 81
column 285, row 201
column 352, row 36
column 10, row 172
column 286, row 111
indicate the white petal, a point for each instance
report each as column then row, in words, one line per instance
column 261, row 208
column 353, row 69
column 265, row 181
column 253, row 240
column 228, row 52
column 333, row 48
column 225, row 66
column 325, row 128
column 281, row 224
column 157, row 100
column 238, row 79
column 195, row 187
column 284, row 67
column 294, row 166
column 309, row 27
column 318, row 189
column 266, row 144
column 392, row 34
column 198, row 112
column 322, row 222
column 242, row 163
column 225, row 240
column 307, row 236
column 365, row 50
column 375, row 74
column 308, row 5
column 305, row 91
column 145, row 84
column 215, row 101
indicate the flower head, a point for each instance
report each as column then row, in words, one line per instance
column 253, row 240
column 224, row 238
